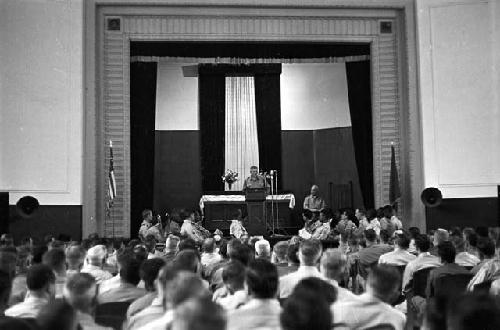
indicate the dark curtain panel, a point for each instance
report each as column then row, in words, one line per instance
column 142, row 139
column 360, row 105
column 268, row 111
column 211, row 98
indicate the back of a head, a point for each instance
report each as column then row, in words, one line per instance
column 482, row 231
column 149, row 272
column 233, row 275
column 262, row 279
column 39, row 276
column 414, row 232
column 402, row 241
column 447, row 252
column 183, row 286
column 440, row 236
column 310, row 251
column 473, row 311
column 303, row 311
column 199, row 313
column 486, row 247
column 370, row 235
column 280, row 250
column 129, row 271
column 384, row 281
column 318, row 288
column 75, row 255
column 187, row 260
column 384, row 236
column 240, row 252
column 208, row 245
column 263, row 249
column 80, row 290
column 55, row 258
column 333, row 263
column 458, row 242
column 307, row 214
column 57, row 315
column 187, row 244
column 422, row 243
column 292, row 253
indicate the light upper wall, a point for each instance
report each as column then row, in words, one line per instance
column 458, row 63
column 41, row 100
column 313, row 96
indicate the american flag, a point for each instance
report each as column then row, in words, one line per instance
column 111, row 174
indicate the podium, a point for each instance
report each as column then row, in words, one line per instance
column 255, row 198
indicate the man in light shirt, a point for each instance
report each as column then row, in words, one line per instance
column 41, row 290
column 56, row 259
column 332, row 266
column 423, row 260
column 373, row 307
column 463, row 257
column 96, row 256
column 400, row 256
column 314, row 202
column 322, row 231
column 309, row 254
column 233, row 276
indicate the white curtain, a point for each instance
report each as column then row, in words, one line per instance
column 241, row 148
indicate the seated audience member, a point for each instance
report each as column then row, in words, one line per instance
column 308, row 307
column 188, row 260
column 279, row 254
column 309, row 254
column 310, row 224
column 171, row 247
column 400, row 256
column 333, row 266
column 199, row 314
column 373, row 307
column 446, row 252
column 394, row 222
column 414, row 232
column 236, row 251
column 489, row 271
column 56, row 260
column 292, row 258
column 237, row 229
column 347, row 223
column 209, row 256
column 122, row 256
column 486, row 251
column 40, row 281
column 322, row 232
column 424, row 259
column 263, row 249
column 233, row 276
column 373, row 250
column 58, row 315
column 463, row 258
column 181, row 287
column 374, row 224
column 96, row 256
column 149, row 273
column 127, row 290
column 80, row 292
column 19, row 289
column 150, row 226
column 75, row 255
column 362, row 220
column 471, row 312
column 5, row 289
column 190, row 228
column 440, row 236
column 262, row 311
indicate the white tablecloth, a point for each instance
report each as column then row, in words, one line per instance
column 241, row 198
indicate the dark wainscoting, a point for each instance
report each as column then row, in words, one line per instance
column 463, row 212
column 177, row 170
column 49, row 219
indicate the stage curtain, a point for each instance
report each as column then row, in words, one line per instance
column 142, row 139
column 268, row 110
column 211, row 98
column 359, row 96
column 241, row 147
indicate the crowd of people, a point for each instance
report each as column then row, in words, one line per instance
column 345, row 270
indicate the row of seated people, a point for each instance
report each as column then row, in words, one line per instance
column 357, row 283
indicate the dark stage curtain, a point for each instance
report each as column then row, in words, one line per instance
column 211, row 98
column 268, row 111
column 142, row 139
column 360, row 105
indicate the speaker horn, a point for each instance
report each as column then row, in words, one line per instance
column 27, row 206
column 431, row 197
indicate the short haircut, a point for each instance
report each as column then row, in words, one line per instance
column 253, row 167
column 327, row 212
column 307, row 214
column 473, row 311
column 80, row 290
column 441, row 235
column 486, row 247
column 403, row 241
column 384, row 280
column 57, row 314
column 422, row 243
column 185, row 213
column 208, row 245
column 183, row 286
column 39, row 276
column 303, row 311
column 129, row 271
column 233, row 273
column 310, row 250
column 371, row 214
column 318, row 287
column 75, row 254
column 200, row 313
column 280, row 250
column 384, row 236
column 471, row 238
column 262, row 249
column 446, row 251
column 291, row 253
column 149, row 272
column 370, row 235
column 172, row 242
column 333, row 262
column 187, row 244
column 240, row 252
column 414, row 231
column 262, row 279
column 146, row 212
column 187, row 260
column 55, row 258
column 458, row 242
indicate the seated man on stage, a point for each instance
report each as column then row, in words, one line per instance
column 313, row 202
column 236, row 229
column 150, row 226
column 191, row 228
column 310, row 225
column 254, row 180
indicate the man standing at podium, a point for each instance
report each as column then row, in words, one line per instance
column 254, row 180
column 313, row 202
